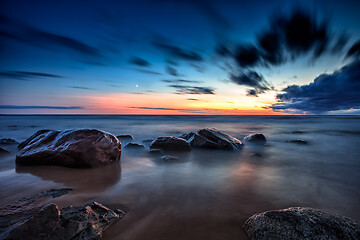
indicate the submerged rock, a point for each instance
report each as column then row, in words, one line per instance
column 297, row 132
column 40, row 132
column 301, row 223
column 3, row 151
column 8, row 141
column 125, row 137
column 256, row 138
column 134, row 146
column 70, row 148
column 170, row 143
column 168, row 158
column 83, row 222
column 298, row 141
column 213, row 139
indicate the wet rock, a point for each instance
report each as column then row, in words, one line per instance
column 298, row 141
column 40, row 132
column 301, row 223
column 3, row 151
column 170, row 143
column 134, row 146
column 83, row 222
column 212, row 139
column 8, row 141
column 155, row 151
column 125, row 137
column 71, row 148
column 169, row 158
column 21, row 210
column 256, row 138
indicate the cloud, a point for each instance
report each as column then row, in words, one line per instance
column 186, row 110
column 192, row 99
column 181, row 89
column 180, row 81
column 23, row 75
column 251, row 79
column 247, row 56
column 38, row 107
column 177, row 52
column 328, row 92
column 354, row 51
column 83, row 88
column 16, row 30
column 146, row 71
column 139, row 62
column 172, row 71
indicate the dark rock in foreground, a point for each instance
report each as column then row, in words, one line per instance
column 8, row 141
column 83, row 222
column 212, row 139
column 3, row 151
column 26, row 142
column 170, row 143
column 70, row 148
column 134, row 146
column 301, row 223
column 169, row 158
column 125, row 137
column 298, row 141
column 256, row 138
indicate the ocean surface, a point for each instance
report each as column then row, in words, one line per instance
column 206, row 194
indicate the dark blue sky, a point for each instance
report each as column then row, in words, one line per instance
column 177, row 57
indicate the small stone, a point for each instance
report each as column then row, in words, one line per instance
column 256, row 138
column 298, row 141
column 134, row 146
column 8, row 141
column 3, row 151
column 125, row 137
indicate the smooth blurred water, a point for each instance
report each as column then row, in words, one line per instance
column 206, row 193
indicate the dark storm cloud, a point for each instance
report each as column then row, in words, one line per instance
column 328, row 92
column 22, row 75
column 182, row 89
column 38, row 107
column 354, row 51
column 139, row 62
column 177, row 52
column 15, row 30
column 286, row 38
column 181, row 81
column 251, row 79
column 172, row 71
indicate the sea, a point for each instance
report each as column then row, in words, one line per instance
column 205, row 194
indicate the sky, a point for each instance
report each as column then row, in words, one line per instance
column 179, row 57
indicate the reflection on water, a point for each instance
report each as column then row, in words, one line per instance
column 205, row 194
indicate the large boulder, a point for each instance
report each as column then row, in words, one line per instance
column 71, row 148
column 26, row 142
column 213, row 139
column 256, row 138
column 170, row 143
column 301, row 223
column 85, row 222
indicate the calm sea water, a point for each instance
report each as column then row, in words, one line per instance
column 206, row 193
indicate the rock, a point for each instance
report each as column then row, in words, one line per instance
column 155, row 150
column 125, row 137
column 134, row 146
column 301, row 223
column 8, row 141
column 40, row 132
column 83, row 222
column 298, row 141
column 23, row 209
column 170, row 143
column 71, row 148
column 3, row 151
column 213, row 139
column 256, row 138
column 168, row 158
